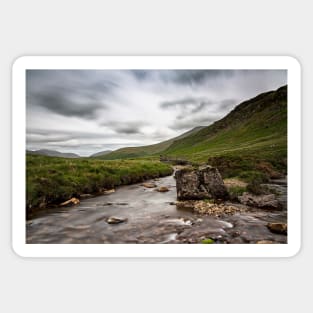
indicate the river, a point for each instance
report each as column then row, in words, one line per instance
column 150, row 217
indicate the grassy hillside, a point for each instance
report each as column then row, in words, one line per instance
column 145, row 151
column 51, row 180
column 253, row 136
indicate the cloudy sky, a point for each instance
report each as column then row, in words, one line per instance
column 87, row 111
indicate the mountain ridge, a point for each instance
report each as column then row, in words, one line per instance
column 53, row 153
column 100, row 153
column 259, row 119
column 146, row 151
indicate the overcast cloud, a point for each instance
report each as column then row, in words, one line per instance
column 87, row 111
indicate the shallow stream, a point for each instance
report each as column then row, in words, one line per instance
column 151, row 217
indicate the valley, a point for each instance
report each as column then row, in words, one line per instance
column 129, row 195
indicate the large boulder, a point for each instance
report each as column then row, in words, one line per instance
column 202, row 183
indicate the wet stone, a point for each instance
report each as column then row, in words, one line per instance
column 149, row 185
column 116, row 220
column 72, row 201
column 162, row 189
column 268, row 201
column 107, row 192
column 278, row 228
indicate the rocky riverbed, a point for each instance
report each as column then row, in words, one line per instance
column 150, row 213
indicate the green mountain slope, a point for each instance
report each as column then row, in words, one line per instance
column 254, row 132
column 145, row 151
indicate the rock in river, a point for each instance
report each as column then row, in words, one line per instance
column 263, row 201
column 162, row 189
column 278, row 228
column 202, row 183
column 149, row 185
column 72, row 201
column 107, row 192
column 116, row 220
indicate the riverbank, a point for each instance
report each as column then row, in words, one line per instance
column 149, row 216
column 52, row 180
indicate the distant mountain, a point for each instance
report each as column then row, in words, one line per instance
column 100, row 153
column 256, row 127
column 53, row 153
column 145, row 151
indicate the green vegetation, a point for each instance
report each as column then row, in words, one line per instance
column 207, row 241
column 52, row 180
column 235, row 191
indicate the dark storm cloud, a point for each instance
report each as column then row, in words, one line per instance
column 189, row 106
column 181, row 77
column 68, row 92
column 127, row 127
column 140, row 74
column 60, row 102
column 191, row 77
column 183, row 102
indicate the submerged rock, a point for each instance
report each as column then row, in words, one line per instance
column 116, row 220
column 263, row 201
column 278, row 228
column 72, row 201
column 149, row 185
column 107, row 192
column 162, row 189
column 202, row 183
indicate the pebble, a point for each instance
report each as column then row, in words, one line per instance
column 149, row 185
column 278, row 228
column 162, row 189
column 116, row 220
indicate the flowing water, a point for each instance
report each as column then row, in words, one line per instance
column 150, row 217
